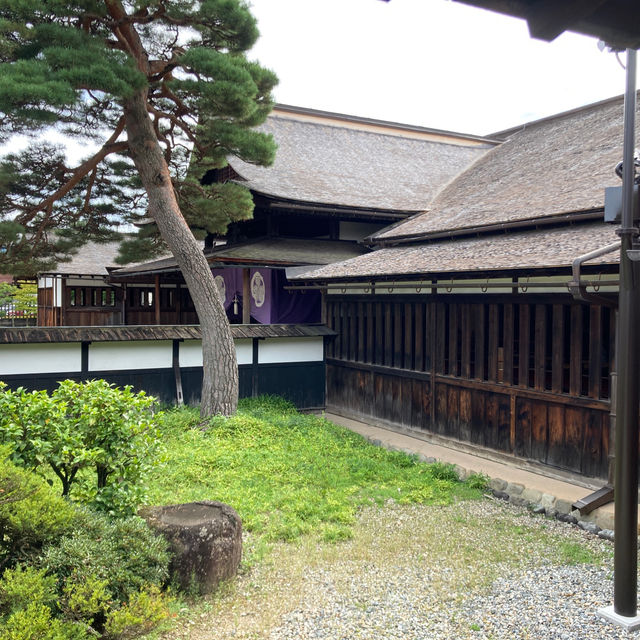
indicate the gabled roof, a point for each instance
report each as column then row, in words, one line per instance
column 525, row 250
column 546, row 168
column 91, row 259
column 334, row 159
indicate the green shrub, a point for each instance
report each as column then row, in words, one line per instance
column 444, row 471
column 82, row 426
column 36, row 623
column 31, row 513
column 144, row 611
column 124, row 553
column 23, row 586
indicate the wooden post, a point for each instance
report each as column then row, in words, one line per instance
column 157, row 298
column 246, row 296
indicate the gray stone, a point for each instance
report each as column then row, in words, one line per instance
column 606, row 534
column 538, row 509
column 551, row 512
column 547, row 500
column 497, row 484
column 567, row 517
column 514, row 489
column 502, row 495
column 463, row 474
column 428, row 459
column 205, row 540
column 563, row 506
column 519, row 501
column 589, row 527
column 532, row 495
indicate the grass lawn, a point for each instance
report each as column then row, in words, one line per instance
column 289, row 474
column 338, row 528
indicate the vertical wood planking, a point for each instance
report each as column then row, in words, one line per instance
column 540, row 347
column 398, row 326
column 539, row 432
column 353, row 331
column 418, row 337
column 465, row 415
column 480, row 346
column 465, row 348
column 439, row 338
column 575, row 356
column 408, row 360
column 595, row 350
column 557, row 349
column 522, row 446
column 362, row 320
column 478, row 417
column 492, row 355
column 453, row 339
column 370, row 320
column 524, row 345
column 387, row 358
column 379, row 346
column 556, row 453
column 508, row 338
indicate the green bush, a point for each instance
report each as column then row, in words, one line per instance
column 124, row 553
column 144, row 611
column 82, row 426
column 36, row 623
column 27, row 600
column 31, row 513
column 23, row 586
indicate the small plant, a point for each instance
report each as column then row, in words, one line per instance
column 82, row 426
column 124, row 553
column 478, row 481
column 444, row 471
column 31, row 514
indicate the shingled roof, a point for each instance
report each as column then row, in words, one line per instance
column 525, row 250
column 341, row 160
column 272, row 251
column 91, row 259
column 552, row 166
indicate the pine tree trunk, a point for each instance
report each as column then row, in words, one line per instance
column 220, row 381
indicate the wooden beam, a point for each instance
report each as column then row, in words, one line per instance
column 246, row 296
column 547, row 19
column 156, row 298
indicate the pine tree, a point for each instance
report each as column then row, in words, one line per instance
column 165, row 91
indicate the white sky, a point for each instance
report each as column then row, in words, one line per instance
column 434, row 63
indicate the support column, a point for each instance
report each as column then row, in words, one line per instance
column 246, row 296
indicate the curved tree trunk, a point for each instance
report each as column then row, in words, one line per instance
column 220, row 382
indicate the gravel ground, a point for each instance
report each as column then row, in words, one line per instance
column 478, row 570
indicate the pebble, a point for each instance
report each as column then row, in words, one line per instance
column 402, row 595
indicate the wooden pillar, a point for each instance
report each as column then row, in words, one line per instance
column 246, row 296
column 178, row 304
column 157, row 299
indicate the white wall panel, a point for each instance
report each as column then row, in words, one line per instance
column 138, row 354
column 191, row 352
column 274, row 350
column 39, row 358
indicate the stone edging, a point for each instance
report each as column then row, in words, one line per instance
column 532, row 499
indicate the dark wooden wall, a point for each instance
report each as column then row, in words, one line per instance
column 527, row 376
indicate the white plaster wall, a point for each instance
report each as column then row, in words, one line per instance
column 40, row 358
column 138, row 354
column 191, row 352
column 274, row 350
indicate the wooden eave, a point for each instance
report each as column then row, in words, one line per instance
column 617, row 22
column 275, row 203
column 574, row 217
column 19, row 335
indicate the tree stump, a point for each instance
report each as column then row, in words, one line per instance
column 205, row 540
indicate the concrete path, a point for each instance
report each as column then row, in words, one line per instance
column 526, row 487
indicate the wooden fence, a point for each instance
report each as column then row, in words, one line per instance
column 527, row 376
